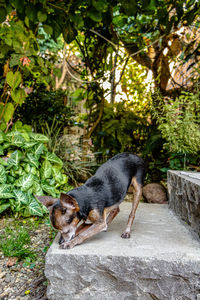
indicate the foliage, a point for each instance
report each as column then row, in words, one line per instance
column 22, row 67
column 15, row 243
column 28, row 169
column 121, row 129
column 179, row 123
column 42, row 108
column 135, row 24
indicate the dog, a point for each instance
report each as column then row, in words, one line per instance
column 96, row 203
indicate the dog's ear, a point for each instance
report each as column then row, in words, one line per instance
column 46, row 200
column 67, row 201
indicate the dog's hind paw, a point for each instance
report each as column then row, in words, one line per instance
column 126, row 235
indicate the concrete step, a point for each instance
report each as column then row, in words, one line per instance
column 161, row 261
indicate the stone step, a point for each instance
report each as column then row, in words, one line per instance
column 161, row 261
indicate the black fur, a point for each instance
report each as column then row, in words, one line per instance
column 110, row 183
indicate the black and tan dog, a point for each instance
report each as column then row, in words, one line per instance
column 96, row 203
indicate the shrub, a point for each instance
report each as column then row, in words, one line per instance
column 27, row 168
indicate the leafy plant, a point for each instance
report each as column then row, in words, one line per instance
column 179, row 123
column 43, row 109
column 28, row 169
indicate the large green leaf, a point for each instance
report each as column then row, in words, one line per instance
column 57, row 174
column 18, row 95
column 50, row 190
column 37, row 189
column 33, row 159
column 39, row 137
column 21, row 196
column 8, row 113
column 16, row 140
column 13, row 79
column 38, row 149
column 3, row 176
column 5, row 191
column 46, row 169
column 25, row 182
column 30, row 144
column 14, row 158
column 4, row 206
column 54, row 159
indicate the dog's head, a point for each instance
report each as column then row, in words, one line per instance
column 63, row 214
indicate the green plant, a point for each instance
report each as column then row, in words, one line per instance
column 179, row 123
column 16, row 242
column 43, row 109
column 28, row 169
column 121, row 129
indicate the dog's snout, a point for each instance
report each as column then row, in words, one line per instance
column 61, row 240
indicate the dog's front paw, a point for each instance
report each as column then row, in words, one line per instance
column 67, row 245
column 126, row 235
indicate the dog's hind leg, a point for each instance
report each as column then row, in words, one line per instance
column 137, row 184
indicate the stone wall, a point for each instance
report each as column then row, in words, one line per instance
column 184, row 197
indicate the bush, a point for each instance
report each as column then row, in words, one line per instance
column 27, row 168
column 42, row 107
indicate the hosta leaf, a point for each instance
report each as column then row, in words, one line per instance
column 54, row 159
column 4, row 207
column 21, row 196
column 46, row 169
column 33, row 160
column 25, row 182
column 14, row 158
column 5, row 191
column 3, row 176
column 39, row 137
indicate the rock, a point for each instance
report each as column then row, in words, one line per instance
column 154, row 193
column 2, row 274
column 184, row 197
column 161, row 260
column 8, row 278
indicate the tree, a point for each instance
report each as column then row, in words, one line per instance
column 146, row 26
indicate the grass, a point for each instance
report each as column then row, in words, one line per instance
column 16, row 243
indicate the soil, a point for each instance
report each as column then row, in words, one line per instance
column 24, row 280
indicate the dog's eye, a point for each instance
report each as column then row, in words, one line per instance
column 63, row 211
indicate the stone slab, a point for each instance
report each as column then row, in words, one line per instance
column 184, row 197
column 161, row 261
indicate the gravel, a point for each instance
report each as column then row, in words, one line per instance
column 22, row 280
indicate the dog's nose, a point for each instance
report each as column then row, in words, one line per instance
column 61, row 240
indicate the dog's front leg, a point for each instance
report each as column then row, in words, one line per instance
column 79, row 239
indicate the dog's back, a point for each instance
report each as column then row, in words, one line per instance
column 110, row 183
